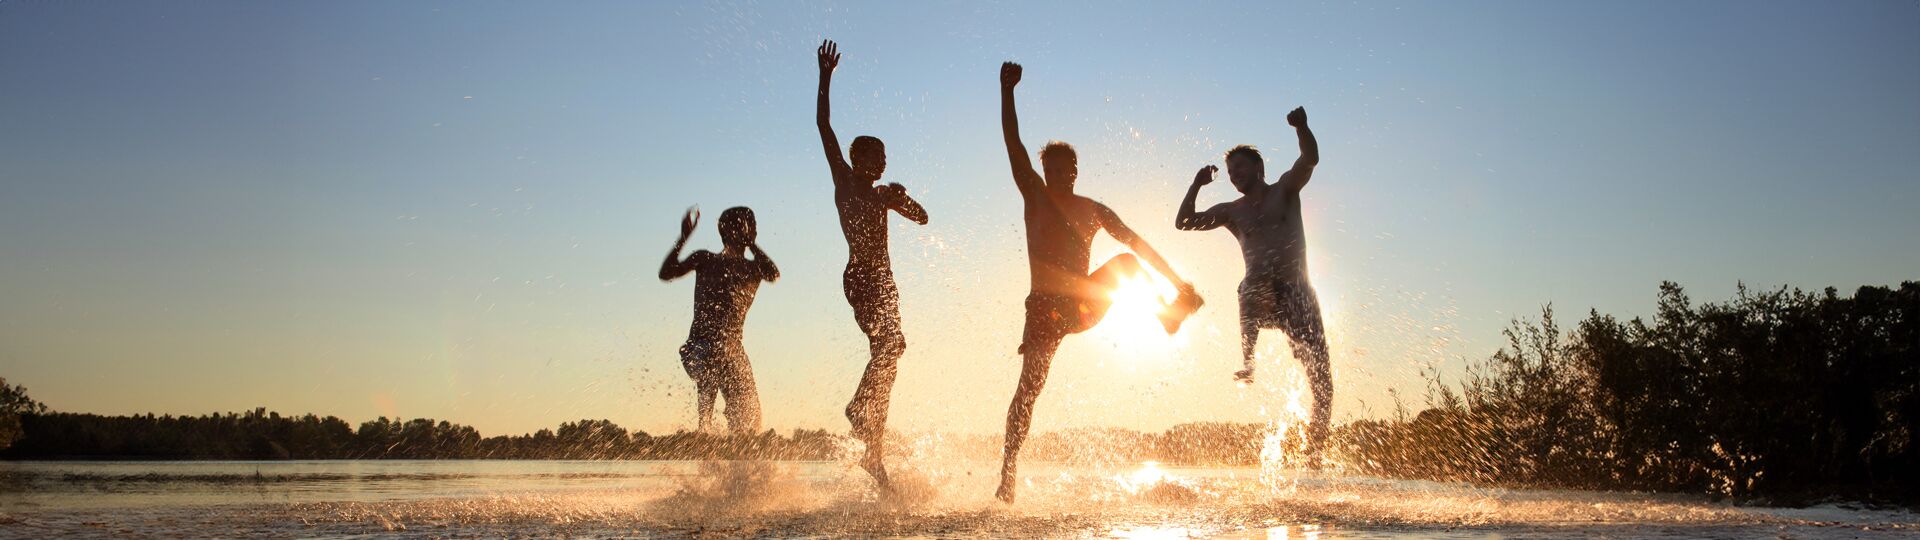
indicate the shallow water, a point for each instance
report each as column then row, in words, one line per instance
column 437, row 499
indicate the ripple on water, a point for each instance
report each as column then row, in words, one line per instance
column 745, row 499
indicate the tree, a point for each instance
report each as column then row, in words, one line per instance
column 13, row 403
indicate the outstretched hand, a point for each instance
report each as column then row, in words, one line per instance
column 1009, row 75
column 1205, row 176
column 1297, row 118
column 691, row 220
column 829, row 54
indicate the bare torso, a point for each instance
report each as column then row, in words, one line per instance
column 723, row 289
column 1060, row 230
column 863, row 221
column 1272, row 236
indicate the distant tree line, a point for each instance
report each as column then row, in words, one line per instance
column 263, row 435
column 260, row 434
column 1776, row 395
column 1780, row 394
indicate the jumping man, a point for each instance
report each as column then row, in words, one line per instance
column 1273, row 242
column 1064, row 299
column 722, row 292
column 869, row 276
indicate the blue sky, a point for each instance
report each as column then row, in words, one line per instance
column 455, row 210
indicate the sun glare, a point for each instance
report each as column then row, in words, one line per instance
column 1148, row 475
column 1138, row 297
column 1133, row 321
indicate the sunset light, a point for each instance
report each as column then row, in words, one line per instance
column 823, row 269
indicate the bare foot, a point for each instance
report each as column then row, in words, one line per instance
column 1177, row 312
column 1244, row 376
column 875, row 466
column 1005, row 494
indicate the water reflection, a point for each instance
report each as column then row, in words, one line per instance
column 740, row 499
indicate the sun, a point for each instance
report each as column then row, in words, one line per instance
column 1137, row 297
column 1132, row 323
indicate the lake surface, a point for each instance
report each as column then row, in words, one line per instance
column 599, row 499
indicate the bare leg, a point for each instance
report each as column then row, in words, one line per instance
column 706, row 392
column 1107, row 277
column 868, row 410
column 743, row 398
column 876, row 306
column 1308, row 338
column 1249, row 337
column 1312, row 352
column 696, row 358
column 1033, row 375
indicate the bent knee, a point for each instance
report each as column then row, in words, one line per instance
column 890, row 343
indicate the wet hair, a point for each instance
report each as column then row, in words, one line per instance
column 864, row 144
column 1246, row 150
column 737, row 226
column 1057, row 150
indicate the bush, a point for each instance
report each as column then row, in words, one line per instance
column 1780, row 394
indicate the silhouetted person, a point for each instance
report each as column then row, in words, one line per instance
column 1064, row 298
column 869, row 276
column 1275, row 292
column 722, row 292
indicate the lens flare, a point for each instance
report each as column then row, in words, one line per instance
column 1147, row 476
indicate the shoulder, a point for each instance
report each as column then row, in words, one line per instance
column 842, row 172
column 1095, row 208
column 1085, row 204
column 700, row 256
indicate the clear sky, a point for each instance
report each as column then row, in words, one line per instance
column 456, row 210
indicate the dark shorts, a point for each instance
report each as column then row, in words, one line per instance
column 1285, row 304
column 875, row 300
column 707, row 362
column 1054, row 316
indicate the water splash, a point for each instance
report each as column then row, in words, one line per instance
column 1283, row 448
column 747, row 499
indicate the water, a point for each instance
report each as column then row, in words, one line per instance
column 438, row 499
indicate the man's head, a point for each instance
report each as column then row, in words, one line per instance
column 1245, row 168
column 737, row 228
column 1061, row 165
column 869, row 158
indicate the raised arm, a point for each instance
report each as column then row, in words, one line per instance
column 1023, row 175
column 1189, row 220
column 768, row 271
column 674, row 266
column 897, row 199
column 1296, row 178
column 829, row 57
column 1121, row 232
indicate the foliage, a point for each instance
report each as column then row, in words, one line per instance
column 13, row 403
column 260, row 434
column 1774, row 394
